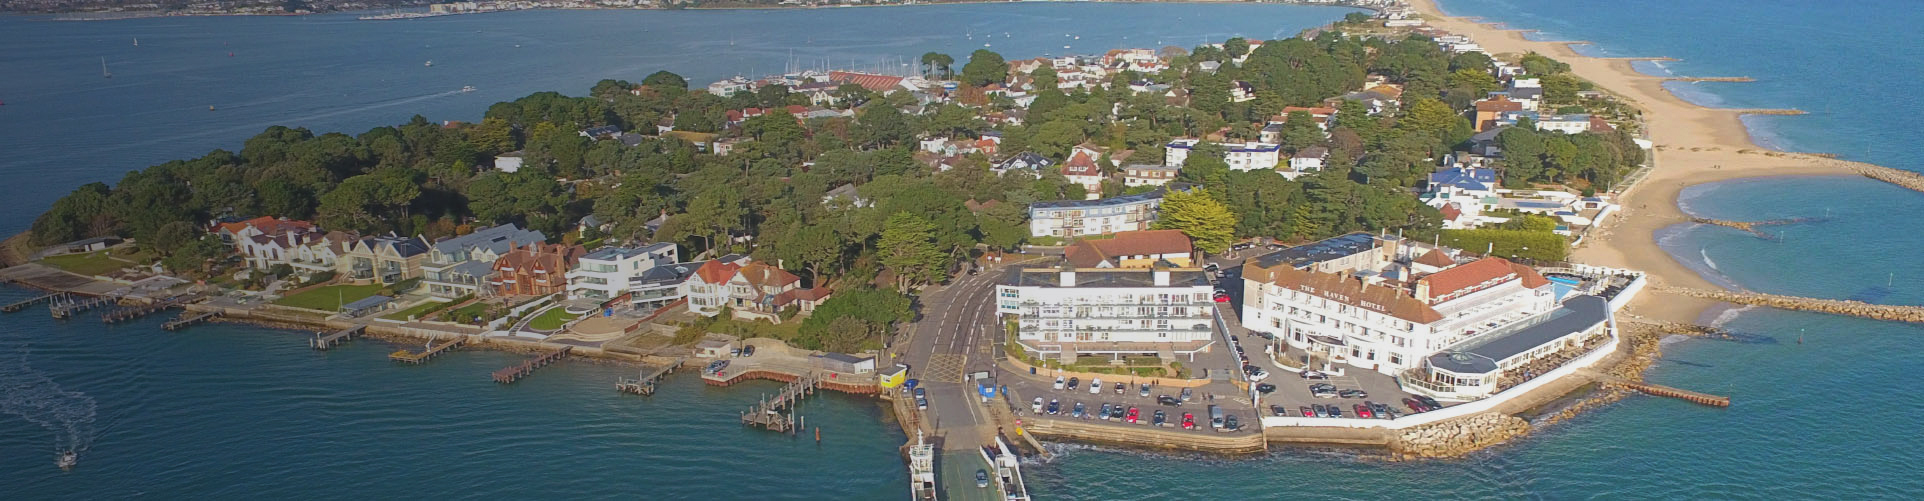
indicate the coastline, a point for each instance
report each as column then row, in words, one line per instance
column 1693, row 144
column 126, row 15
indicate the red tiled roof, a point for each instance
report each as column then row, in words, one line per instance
column 1089, row 253
column 1436, row 258
column 762, row 275
column 1450, row 212
column 715, row 272
column 872, row 82
column 1499, row 104
column 1390, row 301
column 1081, row 165
column 1476, row 275
column 790, row 296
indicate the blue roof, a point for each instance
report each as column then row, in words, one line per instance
column 1538, row 205
column 1480, row 355
column 367, row 302
column 1468, row 179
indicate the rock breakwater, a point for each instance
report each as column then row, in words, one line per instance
column 1894, row 313
column 1457, row 437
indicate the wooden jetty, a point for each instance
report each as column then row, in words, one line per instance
column 324, row 341
column 1657, row 389
column 29, row 302
column 188, row 319
column 778, row 413
column 644, row 382
column 134, row 312
column 429, row 353
column 511, row 374
column 66, row 306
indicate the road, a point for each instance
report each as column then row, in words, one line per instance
column 955, row 336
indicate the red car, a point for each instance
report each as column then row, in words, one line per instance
column 1222, row 298
column 1362, row 411
column 1188, row 421
column 1307, row 412
column 1131, row 418
column 1414, row 405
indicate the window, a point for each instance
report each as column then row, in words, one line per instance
column 1396, row 359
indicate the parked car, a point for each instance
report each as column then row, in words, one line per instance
column 1188, row 421
column 1116, row 413
column 1103, row 412
column 1335, row 411
column 1353, row 393
column 1278, row 411
column 921, row 392
column 1055, row 407
column 1429, row 402
column 1132, row 416
column 1222, row 297
column 981, row 478
column 1073, row 382
column 911, row 383
column 1168, row 400
column 1095, row 386
column 1145, row 391
column 1121, row 388
column 735, row 352
column 1307, row 412
column 1322, row 392
column 1229, row 423
column 1265, row 388
column 1037, row 405
column 1320, row 410
column 1159, row 419
column 1211, row 267
column 1363, row 411
column 921, row 403
column 1079, row 410
column 1382, row 411
column 1258, row 375
column 1059, row 381
column 1314, row 375
column 1215, row 417
column 1187, row 394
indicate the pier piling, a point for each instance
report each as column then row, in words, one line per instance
column 644, row 382
column 428, row 354
column 323, row 342
column 511, row 374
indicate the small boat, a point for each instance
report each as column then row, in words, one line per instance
column 985, row 45
column 210, row 107
column 467, row 88
column 429, row 64
column 230, row 54
column 103, row 69
column 136, row 41
column 66, row 460
column 1065, row 47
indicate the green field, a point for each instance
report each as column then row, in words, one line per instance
column 92, row 263
column 466, row 314
column 329, row 298
column 419, row 310
column 551, row 319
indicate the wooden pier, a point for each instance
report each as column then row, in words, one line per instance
column 1657, row 389
column 429, row 353
column 778, row 413
column 67, row 305
column 644, row 382
column 188, row 319
column 324, row 341
column 511, row 374
column 135, row 312
column 29, row 302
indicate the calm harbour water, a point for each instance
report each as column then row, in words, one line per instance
column 241, row 412
column 233, row 412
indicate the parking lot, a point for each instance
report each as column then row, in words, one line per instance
column 1024, row 389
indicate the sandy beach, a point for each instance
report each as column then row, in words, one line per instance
column 1694, row 145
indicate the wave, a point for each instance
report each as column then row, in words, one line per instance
column 1704, row 252
column 33, row 396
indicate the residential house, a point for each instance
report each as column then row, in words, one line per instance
column 1567, row 124
column 509, row 162
column 1082, row 169
column 602, row 132
column 1148, row 175
column 1028, row 161
column 537, row 269
column 749, row 289
column 1074, row 218
column 1133, row 249
column 606, row 273
column 321, row 255
column 383, row 259
column 730, row 86
column 846, row 194
column 1239, row 156
column 459, row 266
column 1306, row 160
column 1488, row 111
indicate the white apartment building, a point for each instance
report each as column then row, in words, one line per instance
column 1069, row 312
column 1386, row 311
column 1074, row 218
column 1240, row 156
column 606, row 273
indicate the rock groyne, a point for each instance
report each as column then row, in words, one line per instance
column 1457, row 437
column 1900, row 177
column 1894, row 313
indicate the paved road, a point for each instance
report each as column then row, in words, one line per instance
column 955, row 336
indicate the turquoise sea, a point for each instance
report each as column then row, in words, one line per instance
column 240, row 412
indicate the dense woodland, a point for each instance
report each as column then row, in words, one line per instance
column 435, row 180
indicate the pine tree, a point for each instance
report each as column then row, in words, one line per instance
column 1206, row 221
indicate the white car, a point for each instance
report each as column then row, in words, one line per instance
column 1095, row 386
column 1037, row 405
column 1060, row 382
column 1258, row 375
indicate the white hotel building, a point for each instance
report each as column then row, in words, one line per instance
column 1239, row 156
column 1069, row 312
column 1385, row 310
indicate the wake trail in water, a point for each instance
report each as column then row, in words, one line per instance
column 33, row 396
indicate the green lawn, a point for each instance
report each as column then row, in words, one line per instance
column 419, row 310
column 330, row 297
column 551, row 319
column 466, row 314
column 92, row 263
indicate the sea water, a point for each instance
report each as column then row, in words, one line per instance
column 223, row 411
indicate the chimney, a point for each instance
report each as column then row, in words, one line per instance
column 1423, row 290
column 1161, row 276
column 1068, row 277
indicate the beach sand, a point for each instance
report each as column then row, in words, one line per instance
column 1693, row 145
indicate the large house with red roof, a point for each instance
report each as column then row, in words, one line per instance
column 1386, row 304
column 748, row 289
column 1082, row 169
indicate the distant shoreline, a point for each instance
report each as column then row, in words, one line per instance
column 83, row 16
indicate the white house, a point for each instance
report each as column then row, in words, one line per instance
column 606, row 273
column 509, row 162
column 1243, row 156
column 1070, row 312
column 1306, row 160
column 1082, row 169
column 1074, row 218
column 1149, row 175
column 1567, row 124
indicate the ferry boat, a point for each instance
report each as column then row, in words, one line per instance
column 1008, row 470
column 921, row 470
column 66, row 460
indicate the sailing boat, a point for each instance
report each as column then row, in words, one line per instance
column 103, row 69
column 136, row 41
